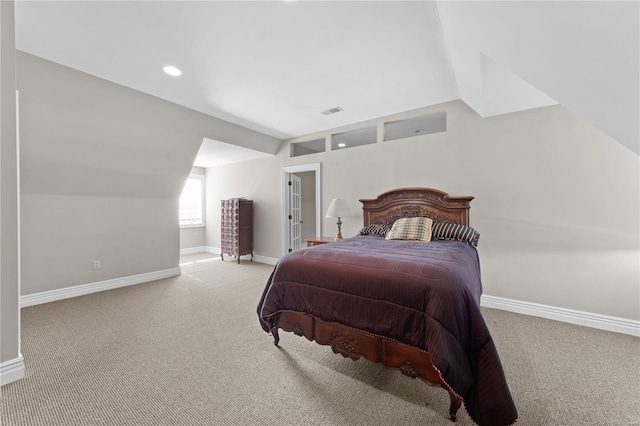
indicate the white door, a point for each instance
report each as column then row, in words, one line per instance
column 285, row 240
column 295, row 212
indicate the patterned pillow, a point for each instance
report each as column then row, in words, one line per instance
column 452, row 231
column 375, row 229
column 411, row 228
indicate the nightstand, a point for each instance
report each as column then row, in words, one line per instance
column 318, row 241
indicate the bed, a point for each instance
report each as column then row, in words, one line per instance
column 408, row 305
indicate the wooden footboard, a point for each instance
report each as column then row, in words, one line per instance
column 353, row 343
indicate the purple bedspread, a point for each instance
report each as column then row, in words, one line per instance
column 426, row 295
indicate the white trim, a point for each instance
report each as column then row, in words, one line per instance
column 587, row 319
column 265, row 259
column 19, row 224
column 256, row 258
column 12, row 370
column 192, row 250
column 192, row 226
column 214, row 250
column 80, row 290
column 313, row 167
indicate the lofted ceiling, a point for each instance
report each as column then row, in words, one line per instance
column 274, row 66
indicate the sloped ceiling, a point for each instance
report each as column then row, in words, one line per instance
column 583, row 55
column 216, row 153
column 274, row 66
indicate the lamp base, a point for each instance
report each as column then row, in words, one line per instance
column 339, row 236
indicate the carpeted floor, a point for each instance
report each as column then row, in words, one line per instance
column 189, row 351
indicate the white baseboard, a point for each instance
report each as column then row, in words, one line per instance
column 192, row 250
column 587, row 319
column 12, row 370
column 257, row 258
column 81, row 290
column 214, row 250
column 266, row 260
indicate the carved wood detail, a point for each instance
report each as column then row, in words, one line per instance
column 355, row 344
column 394, row 214
column 408, row 370
column 425, row 194
column 410, row 202
column 347, row 346
column 297, row 330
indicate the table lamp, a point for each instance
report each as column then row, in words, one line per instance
column 338, row 208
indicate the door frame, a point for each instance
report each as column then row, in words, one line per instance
column 313, row 167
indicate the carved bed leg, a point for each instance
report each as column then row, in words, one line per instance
column 455, row 405
column 276, row 337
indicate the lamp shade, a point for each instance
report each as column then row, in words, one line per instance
column 338, row 208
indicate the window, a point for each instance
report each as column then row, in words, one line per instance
column 365, row 136
column 309, row 147
column 416, row 126
column 192, row 203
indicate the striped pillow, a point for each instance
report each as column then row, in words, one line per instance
column 411, row 228
column 375, row 229
column 452, row 231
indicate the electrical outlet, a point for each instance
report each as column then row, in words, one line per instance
column 96, row 264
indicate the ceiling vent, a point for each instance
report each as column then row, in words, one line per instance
column 332, row 111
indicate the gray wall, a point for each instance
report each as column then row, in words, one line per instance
column 102, row 169
column 557, row 201
column 192, row 238
column 257, row 180
column 9, row 285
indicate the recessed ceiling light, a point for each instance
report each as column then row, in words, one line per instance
column 342, row 145
column 171, row 70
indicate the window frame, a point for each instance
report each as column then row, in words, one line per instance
column 202, row 224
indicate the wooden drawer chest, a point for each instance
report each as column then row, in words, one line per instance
column 237, row 228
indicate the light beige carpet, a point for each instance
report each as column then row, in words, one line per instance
column 190, row 351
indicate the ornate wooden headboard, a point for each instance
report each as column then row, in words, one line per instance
column 410, row 202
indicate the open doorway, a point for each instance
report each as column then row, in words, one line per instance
column 308, row 204
column 301, row 205
column 195, row 236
